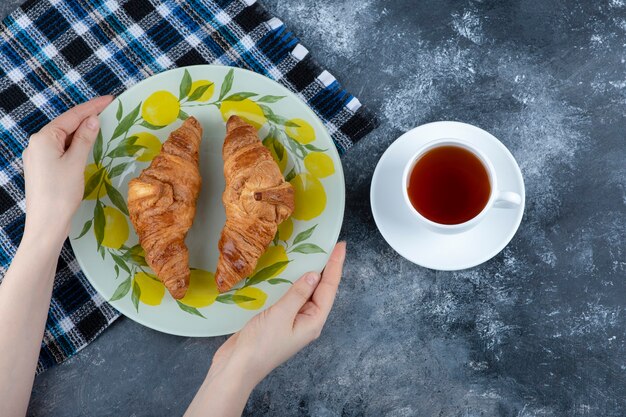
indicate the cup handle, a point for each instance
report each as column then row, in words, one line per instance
column 507, row 199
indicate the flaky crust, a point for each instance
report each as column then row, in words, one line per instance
column 256, row 199
column 162, row 205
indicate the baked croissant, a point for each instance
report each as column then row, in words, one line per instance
column 162, row 205
column 256, row 199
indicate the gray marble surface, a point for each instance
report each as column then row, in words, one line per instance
column 536, row 331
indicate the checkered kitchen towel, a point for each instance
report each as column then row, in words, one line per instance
column 55, row 54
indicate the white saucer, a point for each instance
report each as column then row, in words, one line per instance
column 423, row 246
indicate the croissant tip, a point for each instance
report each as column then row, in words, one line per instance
column 192, row 121
column 234, row 122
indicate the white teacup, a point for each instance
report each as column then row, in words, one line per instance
column 497, row 198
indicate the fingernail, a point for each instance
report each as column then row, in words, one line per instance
column 312, row 278
column 92, row 123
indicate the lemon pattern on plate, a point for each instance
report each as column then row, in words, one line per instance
column 115, row 228
column 291, row 143
column 161, row 108
column 250, row 298
column 152, row 290
column 273, row 255
column 310, row 197
column 199, row 87
column 300, row 130
column 247, row 109
column 202, row 290
column 151, row 146
column 99, row 191
column 285, row 229
column 319, row 164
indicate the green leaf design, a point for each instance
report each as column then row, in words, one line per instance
column 121, row 290
column 93, row 182
column 314, row 148
column 240, row 96
column 120, row 262
column 273, row 117
column 281, row 121
column 129, row 141
column 97, row 148
column 139, row 260
column 136, row 255
column 182, row 115
column 85, row 229
column 232, row 298
column 151, row 126
column 302, row 236
column 227, row 84
column 126, row 123
column 99, row 221
column 290, row 175
column 197, row 93
column 117, row 271
column 275, row 281
column 189, row 309
column 101, row 252
column 289, row 123
column 266, row 273
column 185, row 85
column 152, row 277
column 279, row 148
column 125, row 151
column 116, row 198
column 270, row 99
column 267, row 111
column 135, row 295
column 120, row 110
column 308, row 248
column 136, row 250
column 118, row 169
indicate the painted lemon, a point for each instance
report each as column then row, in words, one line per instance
column 152, row 290
column 160, row 108
column 89, row 171
column 206, row 96
column 319, row 164
column 246, row 109
column 282, row 162
column 115, row 228
column 303, row 132
column 272, row 255
column 202, row 290
column 259, row 298
column 310, row 196
column 285, row 229
column 152, row 146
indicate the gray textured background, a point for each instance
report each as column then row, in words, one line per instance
column 538, row 330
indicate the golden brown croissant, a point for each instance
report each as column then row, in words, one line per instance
column 256, row 198
column 162, row 205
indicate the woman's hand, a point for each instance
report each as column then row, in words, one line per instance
column 54, row 163
column 268, row 340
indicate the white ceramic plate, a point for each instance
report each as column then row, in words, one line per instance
column 423, row 246
column 133, row 128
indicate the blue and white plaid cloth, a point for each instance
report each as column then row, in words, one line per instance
column 55, row 54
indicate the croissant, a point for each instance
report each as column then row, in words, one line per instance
column 256, row 199
column 162, row 205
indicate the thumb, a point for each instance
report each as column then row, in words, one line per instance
column 299, row 293
column 83, row 140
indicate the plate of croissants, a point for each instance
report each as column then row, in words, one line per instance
column 209, row 191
